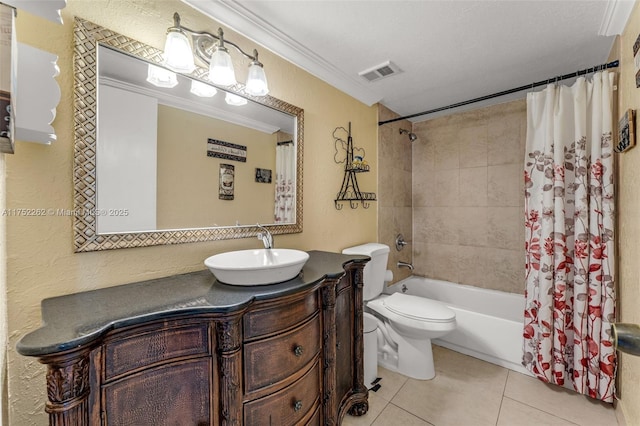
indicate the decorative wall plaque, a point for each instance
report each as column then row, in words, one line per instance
column 626, row 132
column 227, row 173
column 263, row 175
column 226, row 150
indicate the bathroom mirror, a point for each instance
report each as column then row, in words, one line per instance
column 151, row 176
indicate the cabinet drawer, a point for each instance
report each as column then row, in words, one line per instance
column 289, row 406
column 274, row 317
column 142, row 350
column 171, row 394
column 271, row 360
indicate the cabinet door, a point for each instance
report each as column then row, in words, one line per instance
column 345, row 339
column 172, row 394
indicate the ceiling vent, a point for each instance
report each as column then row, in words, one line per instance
column 386, row 69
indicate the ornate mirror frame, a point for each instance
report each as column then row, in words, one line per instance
column 87, row 36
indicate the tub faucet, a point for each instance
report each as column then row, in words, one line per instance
column 405, row 265
column 266, row 237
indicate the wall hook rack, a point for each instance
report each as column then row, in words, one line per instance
column 350, row 190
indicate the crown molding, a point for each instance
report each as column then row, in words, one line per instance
column 615, row 17
column 234, row 15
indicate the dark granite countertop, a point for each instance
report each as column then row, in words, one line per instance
column 75, row 320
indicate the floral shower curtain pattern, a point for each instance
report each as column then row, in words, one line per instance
column 569, row 223
column 285, row 183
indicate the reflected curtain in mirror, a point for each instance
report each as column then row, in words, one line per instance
column 285, row 182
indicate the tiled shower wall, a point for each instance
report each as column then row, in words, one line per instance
column 467, row 197
column 394, row 190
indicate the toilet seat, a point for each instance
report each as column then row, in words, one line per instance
column 405, row 321
column 418, row 308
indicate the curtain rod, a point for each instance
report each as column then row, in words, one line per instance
column 612, row 64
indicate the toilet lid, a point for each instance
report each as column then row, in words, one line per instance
column 419, row 308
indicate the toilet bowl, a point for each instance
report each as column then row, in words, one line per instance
column 412, row 322
column 406, row 323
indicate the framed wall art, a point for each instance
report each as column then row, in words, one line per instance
column 626, row 132
column 227, row 174
column 226, row 150
column 263, row 175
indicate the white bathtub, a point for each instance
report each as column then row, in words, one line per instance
column 489, row 322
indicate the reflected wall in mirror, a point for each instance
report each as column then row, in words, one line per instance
column 142, row 171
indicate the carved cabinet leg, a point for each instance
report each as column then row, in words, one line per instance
column 358, row 301
column 68, row 389
column 359, row 409
column 330, row 398
column 229, row 341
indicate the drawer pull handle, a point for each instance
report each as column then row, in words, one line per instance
column 297, row 406
column 298, row 350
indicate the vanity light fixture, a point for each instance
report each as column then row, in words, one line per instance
column 203, row 90
column 161, row 77
column 211, row 49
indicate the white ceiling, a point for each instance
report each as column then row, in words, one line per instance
column 449, row 51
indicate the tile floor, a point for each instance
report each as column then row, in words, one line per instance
column 470, row 392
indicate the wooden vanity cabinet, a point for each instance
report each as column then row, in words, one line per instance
column 294, row 359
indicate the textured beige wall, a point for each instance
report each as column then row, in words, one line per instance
column 467, row 197
column 629, row 223
column 394, row 190
column 40, row 260
column 188, row 180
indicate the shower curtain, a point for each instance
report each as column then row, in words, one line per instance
column 569, row 225
column 285, row 183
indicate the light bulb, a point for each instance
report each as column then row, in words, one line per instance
column 235, row 100
column 161, row 77
column 177, row 51
column 221, row 68
column 203, row 90
column 256, row 80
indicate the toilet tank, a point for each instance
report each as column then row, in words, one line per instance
column 375, row 269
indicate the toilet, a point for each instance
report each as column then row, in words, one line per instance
column 406, row 323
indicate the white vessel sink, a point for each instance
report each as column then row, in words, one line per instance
column 257, row 267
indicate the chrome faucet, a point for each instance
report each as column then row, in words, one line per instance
column 266, row 237
column 405, row 265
